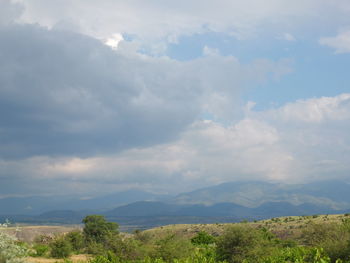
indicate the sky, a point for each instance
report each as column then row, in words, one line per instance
column 168, row 96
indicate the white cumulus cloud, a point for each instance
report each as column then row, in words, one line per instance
column 341, row 42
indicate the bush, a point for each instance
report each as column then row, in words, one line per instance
column 203, row 238
column 173, row 247
column 333, row 238
column 314, row 233
column 61, row 248
column 40, row 250
column 10, row 250
column 95, row 248
column 142, row 236
column 76, row 239
column 297, row 254
column 127, row 248
column 240, row 243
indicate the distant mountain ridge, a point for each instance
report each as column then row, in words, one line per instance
column 232, row 201
column 334, row 194
column 146, row 214
column 35, row 205
column 266, row 210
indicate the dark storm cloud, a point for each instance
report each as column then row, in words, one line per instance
column 70, row 105
column 65, row 93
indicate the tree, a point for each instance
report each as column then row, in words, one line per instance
column 97, row 229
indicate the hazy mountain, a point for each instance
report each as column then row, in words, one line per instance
column 227, row 199
column 144, row 208
column 218, row 210
column 337, row 191
column 334, row 194
column 147, row 214
column 31, row 205
column 271, row 209
column 39, row 204
column 113, row 200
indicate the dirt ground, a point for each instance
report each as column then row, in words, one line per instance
column 74, row 258
column 28, row 233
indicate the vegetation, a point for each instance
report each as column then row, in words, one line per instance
column 311, row 240
column 11, row 251
column 203, row 238
column 97, row 229
column 61, row 248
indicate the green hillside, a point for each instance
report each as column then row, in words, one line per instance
column 290, row 227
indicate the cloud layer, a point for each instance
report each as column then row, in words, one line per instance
column 65, row 93
column 155, row 23
column 78, row 114
column 289, row 144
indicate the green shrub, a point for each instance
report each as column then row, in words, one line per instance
column 40, row 250
column 126, row 249
column 243, row 242
column 60, row 248
column 203, row 238
column 173, row 247
column 95, row 248
column 297, row 255
column 76, row 239
column 101, row 259
column 333, row 238
column 142, row 236
column 314, row 233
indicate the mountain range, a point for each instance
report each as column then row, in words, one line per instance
column 231, row 201
column 334, row 194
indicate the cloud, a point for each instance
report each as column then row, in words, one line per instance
column 288, row 37
column 341, row 42
column 272, row 145
column 64, row 93
column 9, row 12
column 154, row 21
column 83, row 109
column 316, row 110
column 114, row 41
column 268, row 145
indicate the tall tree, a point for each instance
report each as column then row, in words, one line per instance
column 98, row 229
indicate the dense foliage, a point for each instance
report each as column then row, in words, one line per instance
column 97, row 229
column 11, row 251
column 203, row 238
column 318, row 243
